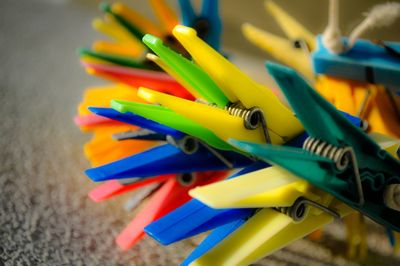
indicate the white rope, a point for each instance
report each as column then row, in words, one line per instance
column 379, row 16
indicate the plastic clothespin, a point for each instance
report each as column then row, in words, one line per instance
column 265, row 232
column 194, row 77
column 294, row 51
column 194, row 217
column 115, row 187
column 136, row 120
column 366, row 179
column 172, row 194
column 171, row 119
column 189, row 156
column 365, row 61
column 102, row 95
column 292, row 28
column 136, row 77
column 116, row 59
column 207, row 23
column 268, row 187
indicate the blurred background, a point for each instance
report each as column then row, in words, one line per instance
column 45, row 215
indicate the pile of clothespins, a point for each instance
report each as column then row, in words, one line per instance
column 211, row 149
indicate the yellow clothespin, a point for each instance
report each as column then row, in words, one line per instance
column 268, row 187
column 101, row 96
column 284, row 218
column 294, row 51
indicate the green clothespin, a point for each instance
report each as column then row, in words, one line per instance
column 169, row 118
column 338, row 158
column 191, row 74
column 115, row 59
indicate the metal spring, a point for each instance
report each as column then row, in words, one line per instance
column 341, row 156
column 252, row 118
column 298, row 211
column 324, row 149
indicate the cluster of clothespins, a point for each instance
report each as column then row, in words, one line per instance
column 180, row 119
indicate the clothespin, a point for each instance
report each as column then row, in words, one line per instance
column 136, row 78
column 113, row 188
column 101, row 97
column 171, row 119
column 136, row 120
column 293, row 51
column 207, row 23
column 290, row 209
column 265, row 232
column 188, row 156
column 365, row 61
column 361, row 174
column 172, row 194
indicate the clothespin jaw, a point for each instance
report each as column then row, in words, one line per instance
column 360, row 173
column 293, row 51
column 193, row 76
column 207, row 23
column 292, row 28
column 286, row 51
column 171, row 195
column 365, row 61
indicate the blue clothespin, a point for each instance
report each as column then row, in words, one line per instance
column 207, row 23
column 187, row 156
column 338, row 157
column 136, row 120
column 365, row 62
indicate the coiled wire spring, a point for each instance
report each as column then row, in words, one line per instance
column 341, row 156
column 252, row 118
column 298, row 211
